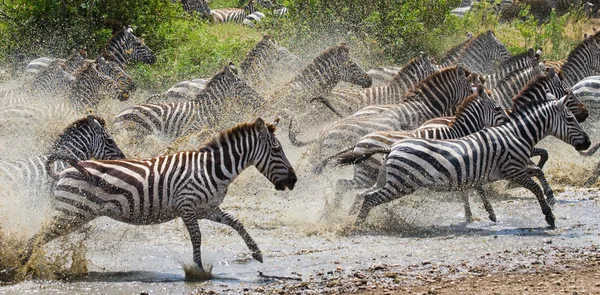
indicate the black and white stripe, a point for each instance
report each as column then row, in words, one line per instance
column 190, row 185
column 481, row 53
column 204, row 110
column 83, row 139
column 486, row 156
column 125, row 46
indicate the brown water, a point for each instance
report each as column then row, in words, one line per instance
column 296, row 238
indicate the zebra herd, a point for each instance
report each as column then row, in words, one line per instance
column 248, row 15
column 470, row 120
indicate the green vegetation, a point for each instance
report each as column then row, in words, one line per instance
column 379, row 32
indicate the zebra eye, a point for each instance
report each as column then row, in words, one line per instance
column 276, row 148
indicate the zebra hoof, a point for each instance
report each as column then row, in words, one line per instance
column 257, row 256
column 550, row 221
column 493, row 218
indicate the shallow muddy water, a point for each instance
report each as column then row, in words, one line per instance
column 297, row 236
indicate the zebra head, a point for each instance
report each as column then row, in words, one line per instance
column 563, row 125
column 269, row 157
column 491, row 114
column 350, row 71
column 82, row 140
column 125, row 46
column 104, row 146
column 113, row 70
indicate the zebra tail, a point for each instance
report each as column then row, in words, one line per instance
column 351, row 158
column 319, row 167
column 292, row 133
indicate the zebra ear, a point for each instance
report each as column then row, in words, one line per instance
column 275, row 122
column 344, row 51
column 460, row 70
column 261, row 127
column 561, row 103
column 550, row 73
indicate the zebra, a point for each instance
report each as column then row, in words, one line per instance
column 478, row 111
column 199, row 6
column 204, row 110
column 72, row 62
column 486, row 156
column 436, row 96
column 124, row 46
column 182, row 91
column 381, row 76
column 91, row 85
column 481, row 52
column 114, row 71
column 451, row 57
column 245, row 15
column 280, row 10
column 408, row 77
column 266, row 62
column 588, row 91
column 528, row 60
column 583, row 61
column 317, row 79
column 189, row 184
column 53, row 80
column 83, row 139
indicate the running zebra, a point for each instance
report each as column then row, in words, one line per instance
column 486, row 156
column 415, row 71
column 204, row 110
column 182, row 91
column 124, row 46
column 91, row 85
column 436, row 96
column 83, row 139
column 115, row 72
column 190, row 185
column 246, row 15
column 267, row 63
column 481, row 53
column 527, row 61
column 588, row 91
column 54, row 80
column 583, row 61
column 317, row 79
column 477, row 112
column 72, row 62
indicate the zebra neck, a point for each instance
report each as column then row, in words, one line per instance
column 575, row 74
column 118, row 50
column 528, row 127
column 219, row 163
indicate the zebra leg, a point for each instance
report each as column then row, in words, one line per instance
column 539, row 174
column 486, row 203
column 62, row 224
column 217, row 215
column 467, row 205
column 191, row 223
column 379, row 183
column 527, row 182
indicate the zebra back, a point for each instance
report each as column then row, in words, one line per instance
column 199, row 6
column 517, row 63
column 124, row 46
column 451, row 57
column 265, row 60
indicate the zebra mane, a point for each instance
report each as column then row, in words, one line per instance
column 467, row 102
column 415, row 93
column 521, row 100
column 590, row 40
column 225, row 136
column 482, row 36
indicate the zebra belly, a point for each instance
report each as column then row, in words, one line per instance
column 77, row 196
